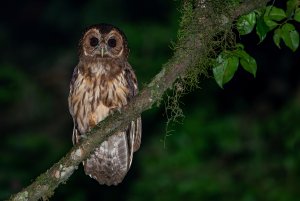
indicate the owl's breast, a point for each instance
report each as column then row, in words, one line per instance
column 93, row 98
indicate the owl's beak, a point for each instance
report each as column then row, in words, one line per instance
column 102, row 48
column 102, row 51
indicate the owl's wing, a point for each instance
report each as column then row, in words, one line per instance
column 76, row 134
column 138, row 135
column 110, row 162
column 72, row 82
column 135, row 128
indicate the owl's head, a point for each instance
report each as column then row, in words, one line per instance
column 103, row 41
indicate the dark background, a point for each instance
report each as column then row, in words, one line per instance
column 240, row 143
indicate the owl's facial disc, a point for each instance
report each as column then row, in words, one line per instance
column 98, row 46
column 114, row 44
column 91, row 42
column 100, row 43
column 94, row 41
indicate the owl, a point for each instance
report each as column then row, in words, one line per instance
column 103, row 82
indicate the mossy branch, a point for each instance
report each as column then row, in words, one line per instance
column 201, row 22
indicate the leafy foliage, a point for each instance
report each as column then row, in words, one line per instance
column 290, row 36
column 228, row 61
column 297, row 15
column 266, row 20
column 225, row 68
column 246, row 23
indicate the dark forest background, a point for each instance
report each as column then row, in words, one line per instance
column 240, row 143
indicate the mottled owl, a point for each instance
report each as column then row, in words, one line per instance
column 102, row 82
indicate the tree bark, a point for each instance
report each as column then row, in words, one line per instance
column 190, row 49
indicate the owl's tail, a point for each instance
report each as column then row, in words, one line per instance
column 111, row 160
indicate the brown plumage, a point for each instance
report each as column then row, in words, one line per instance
column 102, row 82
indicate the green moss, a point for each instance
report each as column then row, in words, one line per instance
column 186, row 19
column 202, row 27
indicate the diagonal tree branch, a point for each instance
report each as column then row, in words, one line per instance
column 201, row 24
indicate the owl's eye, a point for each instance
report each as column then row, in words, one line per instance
column 112, row 42
column 94, row 41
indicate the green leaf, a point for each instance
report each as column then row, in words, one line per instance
column 239, row 46
column 233, row 63
column 225, row 68
column 270, row 23
column 246, row 23
column 290, row 7
column 275, row 13
column 261, row 29
column 297, row 15
column 290, row 36
column 276, row 37
column 247, row 62
column 240, row 53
